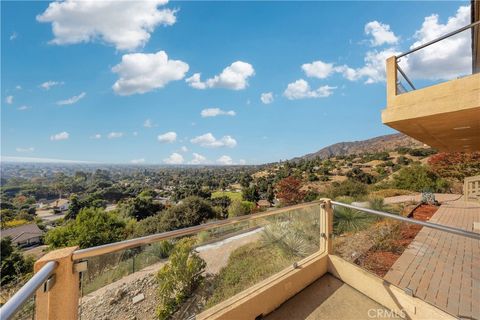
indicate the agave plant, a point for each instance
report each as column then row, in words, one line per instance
column 287, row 238
column 349, row 220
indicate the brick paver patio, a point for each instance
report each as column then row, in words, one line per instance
column 442, row 268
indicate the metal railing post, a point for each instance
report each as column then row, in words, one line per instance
column 59, row 299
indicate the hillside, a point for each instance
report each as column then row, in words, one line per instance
column 377, row 144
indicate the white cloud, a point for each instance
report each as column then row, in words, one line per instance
column 374, row 69
column 96, row 136
column 174, row 158
column 30, row 149
column 225, row 160
column 125, row 24
column 9, row 99
column 213, row 112
column 233, row 77
column 208, row 140
column 300, row 89
column 71, row 100
column 198, row 159
column 167, row 137
column 23, row 108
column 50, row 83
column 447, row 59
column 18, row 87
column 318, row 69
column 144, row 72
column 266, row 97
column 60, row 136
column 13, row 36
column 137, row 161
column 148, row 123
column 184, row 149
column 381, row 33
column 115, row 135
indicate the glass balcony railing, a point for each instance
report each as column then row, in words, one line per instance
column 143, row 280
column 442, row 59
column 434, row 262
column 187, row 273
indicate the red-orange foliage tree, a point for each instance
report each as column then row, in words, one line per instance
column 288, row 191
column 456, row 165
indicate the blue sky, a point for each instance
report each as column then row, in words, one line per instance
column 99, row 88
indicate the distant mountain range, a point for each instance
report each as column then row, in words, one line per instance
column 382, row 143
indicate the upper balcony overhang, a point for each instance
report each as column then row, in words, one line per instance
column 445, row 116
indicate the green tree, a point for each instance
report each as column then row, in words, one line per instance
column 240, row 208
column 250, row 194
column 74, row 208
column 178, row 279
column 140, row 207
column 13, row 264
column 348, row 187
column 419, row 178
column 92, row 227
column 191, row 211
column 223, row 203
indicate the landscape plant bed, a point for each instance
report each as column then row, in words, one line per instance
column 380, row 258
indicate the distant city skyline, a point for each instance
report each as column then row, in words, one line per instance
column 209, row 82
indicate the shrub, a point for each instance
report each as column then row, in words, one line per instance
column 377, row 203
column 290, row 240
column 419, row 178
column 385, row 193
column 178, row 279
column 240, row 208
column 349, row 220
column 247, row 266
column 385, row 237
column 456, row 165
column 347, row 188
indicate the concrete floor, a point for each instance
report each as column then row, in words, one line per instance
column 330, row 299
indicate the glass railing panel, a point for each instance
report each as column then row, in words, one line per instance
column 445, row 60
column 438, row 267
column 183, row 276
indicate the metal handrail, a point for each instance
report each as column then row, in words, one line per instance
column 137, row 242
column 439, row 39
column 436, row 226
column 14, row 304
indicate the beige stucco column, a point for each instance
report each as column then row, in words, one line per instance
column 61, row 301
column 326, row 225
